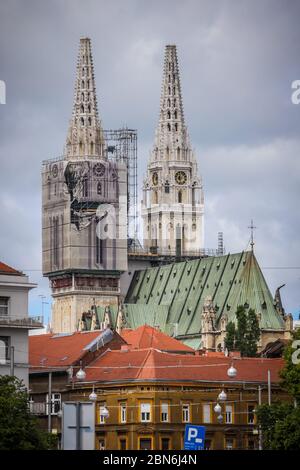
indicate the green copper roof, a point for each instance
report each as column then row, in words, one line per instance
column 175, row 294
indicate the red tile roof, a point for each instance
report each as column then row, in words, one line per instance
column 5, row 269
column 146, row 336
column 57, row 350
column 151, row 364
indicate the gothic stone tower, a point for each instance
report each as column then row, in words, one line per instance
column 172, row 208
column 84, row 225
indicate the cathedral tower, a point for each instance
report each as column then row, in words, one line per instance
column 84, row 219
column 172, row 208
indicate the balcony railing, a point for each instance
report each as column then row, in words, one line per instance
column 13, row 320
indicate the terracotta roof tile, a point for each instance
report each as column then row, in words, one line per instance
column 146, row 336
column 151, row 364
column 58, row 350
column 5, row 269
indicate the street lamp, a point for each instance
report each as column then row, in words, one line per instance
column 222, row 396
column 93, row 395
column 104, row 413
column 220, row 418
column 217, row 408
column 232, row 371
column 80, row 375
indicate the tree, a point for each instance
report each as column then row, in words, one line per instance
column 18, row 428
column 245, row 335
column 230, row 336
column 280, row 422
column 290, row 374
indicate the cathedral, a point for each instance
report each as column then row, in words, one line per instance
column 102, row 276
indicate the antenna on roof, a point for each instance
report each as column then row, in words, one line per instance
column 252, row 227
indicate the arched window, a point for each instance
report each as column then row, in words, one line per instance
column 175, row 114
column 173, row 90
column 88, row 84
column 90, row 121
column 174, row 102
column 169, row 115
column 168, row 152
column 89, row 108
column 169, row 102
column 82, row 96
column 176, row 126
column 169, row 78
column 82, row 84
column 180, row 197
column 99, row 189
column 178, row 153
column 82, row 108
column 169, row 89
column 85, row 187
column 92, row 148
column 167, row 187
column 80, row 148
column 82, row 121
column 169, row 126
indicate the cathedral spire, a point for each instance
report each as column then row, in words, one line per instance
column 171, row 140
column 85, row 137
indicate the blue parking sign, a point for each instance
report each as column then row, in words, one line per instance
column 194, row 437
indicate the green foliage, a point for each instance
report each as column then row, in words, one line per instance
column 280, row 425
column 230, row 336
column 18, row 428
column 290, row 375
column 245, row 335
column 280, row 422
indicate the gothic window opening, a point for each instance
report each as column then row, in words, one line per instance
column 174, row 102
column 80, row 148
column 85, row 187
column 82, row 84
column 167, row 187
column 82, row 96
column 99, row 250
column 180, row 197
column 178, row 153
column 169, row 102
column 89, row 108
column 176, row 126
column 82, row 121
column 169, row 127
column 169, row 90
column 99, row 189
column 169, row 115
column 92, row 147
column 175, row 114
column 82, row 108
column 90, row 121
column 55, row 242
column 88, row 84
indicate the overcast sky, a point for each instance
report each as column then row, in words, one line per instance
column 237, row 61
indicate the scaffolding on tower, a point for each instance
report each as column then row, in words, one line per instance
column 121, row 146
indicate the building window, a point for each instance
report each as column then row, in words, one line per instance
column 99, row 189
column 4, row 349
column 4, row 306
column 164, row 412
column 228, row 414
column 102, row 444
column 55, row 403
column 206, row 413
column 165, row 443
column 179, row 196
column 145, row 412
column 167, row 187
column 186, row 413
column 145, row 443
column 251, row 444
column 123, row 413
column 251, row 414
column 123, row 443
column 85, row 187
column 101, row 418
column 208, row 444
column 229, row 443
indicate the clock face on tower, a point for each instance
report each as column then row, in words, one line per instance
column 99, row 169
column 155, row 179
column 180, row 177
